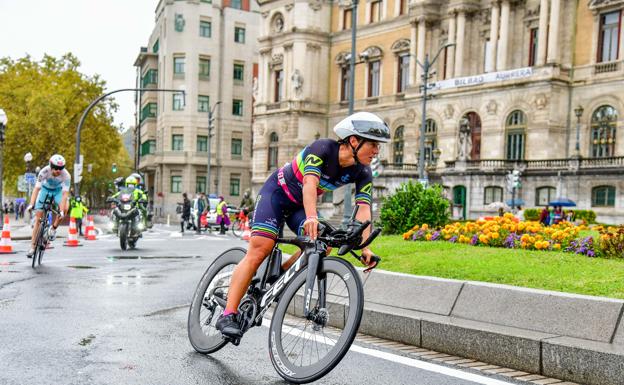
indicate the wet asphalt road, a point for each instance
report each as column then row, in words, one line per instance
column 88, row 317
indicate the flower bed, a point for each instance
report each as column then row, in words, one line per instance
column 509, row 232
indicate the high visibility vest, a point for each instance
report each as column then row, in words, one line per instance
column 220, row 207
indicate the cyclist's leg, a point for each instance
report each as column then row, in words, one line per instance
column 38, row 213
column 268, row 219
column 58, row 196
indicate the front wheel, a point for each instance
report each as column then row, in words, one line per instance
column 40, row 245
column 123, row 235
column 237, row 228
column 209, row 302
column 304, row 349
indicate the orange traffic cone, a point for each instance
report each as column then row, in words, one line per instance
column 72, row 238
column 246, row 231
column 5, row 243
column 90, row 230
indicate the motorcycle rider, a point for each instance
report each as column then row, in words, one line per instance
column 138, row 196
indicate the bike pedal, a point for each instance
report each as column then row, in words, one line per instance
column 236, row 341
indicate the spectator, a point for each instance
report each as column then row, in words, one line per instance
column 519, row 213
column 6, row 208
column 569, row 216
column 501, row 212
column 186, row 213
column 11, row 207
column 557, row 215
column 545, row 216
column 22, row 209
column 17, row 210
column 222, row 215
column 202, row 206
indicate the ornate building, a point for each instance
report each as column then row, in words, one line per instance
column 208, row 49
column 531, row 85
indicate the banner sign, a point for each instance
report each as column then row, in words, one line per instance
column 477, row 80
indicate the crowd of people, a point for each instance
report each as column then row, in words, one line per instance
column 18, row 208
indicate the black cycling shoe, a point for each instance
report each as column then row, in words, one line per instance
column 228, row 326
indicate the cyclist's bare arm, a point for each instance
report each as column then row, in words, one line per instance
column 310, row 184
column 364, row 214
column 33, row 196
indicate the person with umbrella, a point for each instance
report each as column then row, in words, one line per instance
column 545, row 216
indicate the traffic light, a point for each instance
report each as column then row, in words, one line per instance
column 114, row 168
column 375, row 167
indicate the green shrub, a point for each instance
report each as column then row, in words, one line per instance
column 612, row 242
column 588, row 216
column 532, row 214
column 413, row 204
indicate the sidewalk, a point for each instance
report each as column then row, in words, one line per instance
column 21, row 230
column 570, row 337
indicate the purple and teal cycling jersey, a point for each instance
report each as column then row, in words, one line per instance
column 281, row 197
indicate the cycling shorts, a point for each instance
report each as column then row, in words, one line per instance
column 44, row 192
column 273, row 208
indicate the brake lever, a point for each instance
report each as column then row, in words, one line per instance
column 374, row 258
column 370, row 239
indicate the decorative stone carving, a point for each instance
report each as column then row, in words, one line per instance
column 284, row 127
column 449, row 111
column 278, row 23
column 277, row 60
column 254, row 87
column 372, row 52
column 401, row 45
column 598, row 4
column 341, row 58
column 297, row 83
column 491, row 107
column 540, row 101
column 465, row 140
column 179, row 22
column 289, row 6
column 315, row 4
column 410, row 116
column 265, row 14
column 260, row 129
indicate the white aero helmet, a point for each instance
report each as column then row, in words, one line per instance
column 364, row 125
column 57, row 162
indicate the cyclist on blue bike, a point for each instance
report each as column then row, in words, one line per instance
column 290, row 195
column 53, row 180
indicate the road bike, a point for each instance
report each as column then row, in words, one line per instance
column 320, row 301
column 44, row 224
column 238, row 222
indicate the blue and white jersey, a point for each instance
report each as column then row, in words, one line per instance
column 51, row 182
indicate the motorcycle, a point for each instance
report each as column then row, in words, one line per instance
column 128, row 218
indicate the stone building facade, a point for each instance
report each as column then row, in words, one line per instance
column 545, row 98
column 208, row 49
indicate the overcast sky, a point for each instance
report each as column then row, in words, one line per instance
column 105, row 36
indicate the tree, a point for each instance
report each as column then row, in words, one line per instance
column 44, row 101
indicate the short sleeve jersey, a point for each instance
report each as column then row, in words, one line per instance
column 50, row 182
column 321, row 160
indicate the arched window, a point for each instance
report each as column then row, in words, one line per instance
column 397, row 145
column 516, row 134
column 431, row 138
column 544, row 194
column 603, row 132
column 492, row 194
column 273, row 151
column 603, row 196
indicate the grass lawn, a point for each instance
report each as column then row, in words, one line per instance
column 547, row 270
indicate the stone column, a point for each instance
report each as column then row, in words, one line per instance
column 542, row 33
column 450, row 51
column 412, row 61
column 503, row 42
column 553, row 32
column 491, row 64
column 422, row 34
column 262, row 80
column 461, row 36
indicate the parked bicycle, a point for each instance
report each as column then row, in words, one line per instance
column 44, row 224
column 320, row 301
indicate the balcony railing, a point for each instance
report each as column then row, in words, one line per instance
column 542, row 164
column 612, row 66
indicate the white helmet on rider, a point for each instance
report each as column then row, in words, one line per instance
column 364, row 125
column 57, row 162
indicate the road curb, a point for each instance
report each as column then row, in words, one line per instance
column 571, row 337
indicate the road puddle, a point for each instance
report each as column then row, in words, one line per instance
column 87, row 340
column 81, row 267
column 131, row 279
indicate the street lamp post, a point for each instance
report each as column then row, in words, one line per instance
column 426, row 67
column 578, row 111
column 27, row 158
column 210, row 128
column 3, row 123
column 348, row 190
column 84, row 117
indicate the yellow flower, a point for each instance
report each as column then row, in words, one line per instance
column 428, row 237
column 425, row 226
column 557, row 246
column 494, row 235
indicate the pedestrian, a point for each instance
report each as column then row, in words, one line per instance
column 545, row 216
column 557, row 215
column 222, row 216
column 569, row 216
column 519, row 213
column 186, row 213
column 201, row 207
column 17, row 210
column 11, row 207
column 501, row 212
column 77, row 211
column 22, row 209
column 6, row 208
